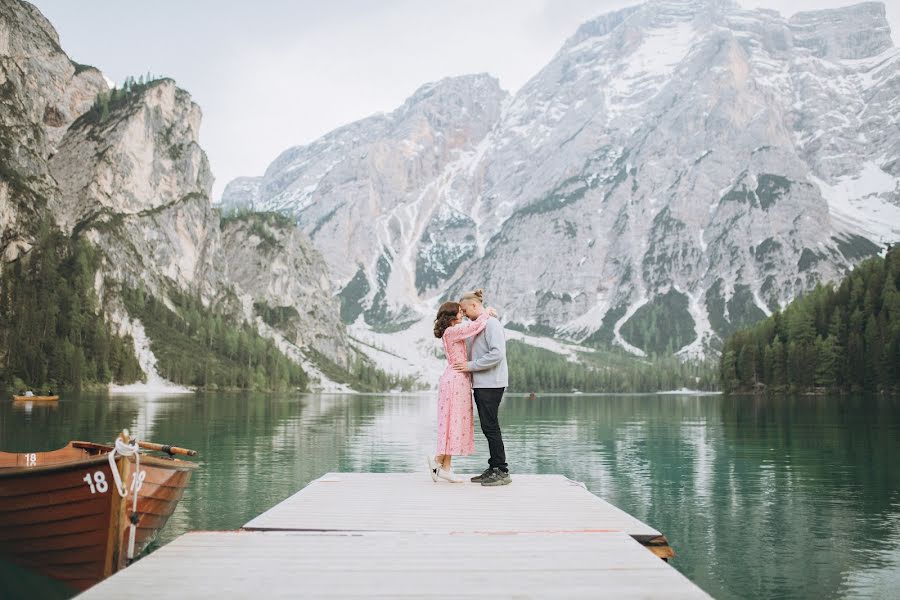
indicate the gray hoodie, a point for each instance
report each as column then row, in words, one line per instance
column 487, row 357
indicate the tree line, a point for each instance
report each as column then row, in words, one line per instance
column 54, row 336
column 845, row 337
column 51, row 329
column 538, row 370
column 205, row 347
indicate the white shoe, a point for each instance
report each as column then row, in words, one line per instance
column 449, row 475
column 432, row 468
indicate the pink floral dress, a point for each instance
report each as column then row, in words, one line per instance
column 456, row 425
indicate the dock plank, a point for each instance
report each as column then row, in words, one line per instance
column 414, row 565
column 411, row 502
column 400, row 535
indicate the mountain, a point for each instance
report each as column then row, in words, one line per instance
column 41, row 93
column 120, row 179
column 679, row 169
column 369, row 193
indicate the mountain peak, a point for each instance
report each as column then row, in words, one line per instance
column 850, row 32
column 471, row 81
column 478, row 86
column 649, row 15
column 601, row 26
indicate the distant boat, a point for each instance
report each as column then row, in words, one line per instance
column 62, row 514
column 35, row 398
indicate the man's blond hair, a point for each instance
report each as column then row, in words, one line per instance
column 477, row 295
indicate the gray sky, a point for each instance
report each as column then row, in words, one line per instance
column 272, row 74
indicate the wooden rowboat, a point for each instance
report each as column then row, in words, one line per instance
column 35, row 398
column 61, row 513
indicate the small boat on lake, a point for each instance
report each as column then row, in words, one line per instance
column 35, row 398
column 81, row 513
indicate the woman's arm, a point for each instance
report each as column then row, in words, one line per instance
column 468, row 329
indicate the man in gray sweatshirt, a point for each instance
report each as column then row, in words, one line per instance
column 490, row 378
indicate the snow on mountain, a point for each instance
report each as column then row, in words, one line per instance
column 370, row 194
column 679, row 169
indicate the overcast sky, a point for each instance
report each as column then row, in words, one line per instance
column 272, row 74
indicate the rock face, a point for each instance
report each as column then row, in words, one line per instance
column 286, row 281
column 135, row 182
column 368, row 193
column 41, row 93
column 679, row 169
column 851, row 33
column 146, row 155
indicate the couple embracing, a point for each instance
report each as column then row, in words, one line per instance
column 476, row 359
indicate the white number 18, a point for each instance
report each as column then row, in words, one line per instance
column 98, row 483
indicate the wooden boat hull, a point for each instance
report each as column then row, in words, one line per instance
column 35, row 398
column 61, row 516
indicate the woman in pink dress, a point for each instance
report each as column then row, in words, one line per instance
column 456, row 425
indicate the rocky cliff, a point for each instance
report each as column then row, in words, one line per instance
column 283, row 281
column 41, row 93
column 679, row 169
column 132, row 178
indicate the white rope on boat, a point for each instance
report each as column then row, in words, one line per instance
column 123, row 449
column 128, row 449
column 136, row 485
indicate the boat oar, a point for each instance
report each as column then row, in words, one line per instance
column 170, row 450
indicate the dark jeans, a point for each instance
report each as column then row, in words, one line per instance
column 488, row 402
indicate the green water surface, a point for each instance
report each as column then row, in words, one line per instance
column 760, row 498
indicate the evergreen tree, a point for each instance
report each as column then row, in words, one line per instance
column 729, row 376
column 779, row 363
column 826, row 367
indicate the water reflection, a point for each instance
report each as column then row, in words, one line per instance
column 777, row 498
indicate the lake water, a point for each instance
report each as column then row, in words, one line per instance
column 760, row 498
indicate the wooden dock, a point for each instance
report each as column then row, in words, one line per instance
column 401, row 535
